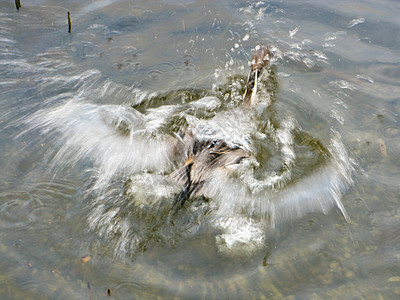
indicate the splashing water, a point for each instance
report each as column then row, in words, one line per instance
column 290, row 174
column 115, row 138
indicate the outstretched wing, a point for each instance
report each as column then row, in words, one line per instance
column 200, row 167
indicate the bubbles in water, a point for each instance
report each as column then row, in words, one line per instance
column 343, row 84
column 293, row 32
column 241, row 235
column 355, row 22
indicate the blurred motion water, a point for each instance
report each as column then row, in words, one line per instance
column 87, row 120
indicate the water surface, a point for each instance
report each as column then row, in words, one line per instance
column 87, row 117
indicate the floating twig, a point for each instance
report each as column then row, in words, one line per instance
column 18, row 4
column 69, row 20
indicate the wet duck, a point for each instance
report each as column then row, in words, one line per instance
column 203, row 157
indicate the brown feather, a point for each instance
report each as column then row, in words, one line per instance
column 201, row 159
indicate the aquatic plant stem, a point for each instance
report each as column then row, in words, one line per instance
column 18, row 4
column 69, row 20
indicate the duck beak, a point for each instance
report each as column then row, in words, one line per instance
column 259, row 62
column 254, row 92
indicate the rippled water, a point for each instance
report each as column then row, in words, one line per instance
column 87, row 122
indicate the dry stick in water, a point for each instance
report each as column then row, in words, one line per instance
column 69, row 21
column 18, row 4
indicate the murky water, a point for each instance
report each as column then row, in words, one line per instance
column 87, row 121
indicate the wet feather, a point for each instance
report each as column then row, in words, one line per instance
column 200, row 159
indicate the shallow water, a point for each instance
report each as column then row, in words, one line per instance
column 87, row 120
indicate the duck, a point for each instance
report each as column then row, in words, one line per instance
column 201, row 158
